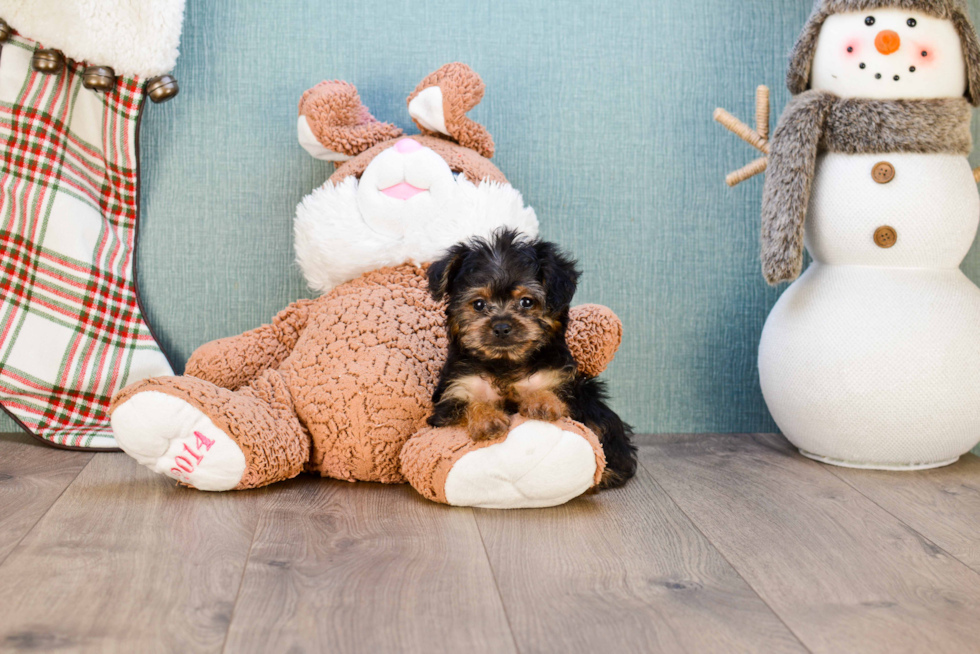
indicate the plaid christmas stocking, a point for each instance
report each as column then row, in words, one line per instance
column 71, row 328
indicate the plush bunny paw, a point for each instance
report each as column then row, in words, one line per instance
column 537, row 464
column 594, row 334
column 170, row 436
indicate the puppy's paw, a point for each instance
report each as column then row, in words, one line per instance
column 485, row 422
column 543, row 405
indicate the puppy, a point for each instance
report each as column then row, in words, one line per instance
column 507, row 311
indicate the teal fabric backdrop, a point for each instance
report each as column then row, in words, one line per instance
column 602, row 116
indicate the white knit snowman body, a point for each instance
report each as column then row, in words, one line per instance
column 872, row 357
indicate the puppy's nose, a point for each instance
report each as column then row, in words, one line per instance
column 501, row 329
column 888, row 42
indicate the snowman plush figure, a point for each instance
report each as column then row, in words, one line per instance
column 872, row 357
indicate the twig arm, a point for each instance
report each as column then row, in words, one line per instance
column 741, row 130
column 747, row 172
column 757, row 138
column 762, row 111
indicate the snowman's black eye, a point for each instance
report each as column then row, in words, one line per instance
column 911, row 22
column 861, row 66
column 869, row 21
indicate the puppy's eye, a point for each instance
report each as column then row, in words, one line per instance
column 480, row 305
column 911, row 22
column 869, row 21
column 526, row 303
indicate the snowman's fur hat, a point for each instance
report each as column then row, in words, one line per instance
column 798, row 75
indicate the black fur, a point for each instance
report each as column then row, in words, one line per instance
column 495, row 268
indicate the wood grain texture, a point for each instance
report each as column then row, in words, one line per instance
column 32, row 478
column 943, row 504
column 338, row 567
column 623, row 571
column 842, row 573
column 126, row 562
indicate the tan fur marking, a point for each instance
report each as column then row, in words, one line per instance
column 542, row 405
column 531, row 291
column 544, row 380
column 536, row 396
column 472, row 389
column 484, row 421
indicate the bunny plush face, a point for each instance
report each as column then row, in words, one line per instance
column 399, row 199
column 406, row 186
column 889, row 54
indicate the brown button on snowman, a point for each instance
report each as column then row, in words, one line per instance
column 883, row 172
column 871, row 358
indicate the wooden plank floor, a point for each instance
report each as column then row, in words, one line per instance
column 722, row 543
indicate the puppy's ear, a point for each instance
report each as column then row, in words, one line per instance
column 443, row 272
column 558, row 274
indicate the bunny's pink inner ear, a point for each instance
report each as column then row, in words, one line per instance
column 334, row 125
column 440, row 102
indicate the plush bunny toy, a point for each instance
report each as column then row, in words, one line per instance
column 870, row 358
column 341, row 385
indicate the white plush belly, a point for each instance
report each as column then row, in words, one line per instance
column 875, row 365
column 932, row 204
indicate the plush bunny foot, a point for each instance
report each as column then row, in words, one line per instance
column 209, row 437
column 171, row 437
column 537, row 464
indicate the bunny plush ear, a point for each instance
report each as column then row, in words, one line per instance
column 440, row 102
column 334, row 125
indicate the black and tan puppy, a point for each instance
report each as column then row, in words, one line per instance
column 507, row 312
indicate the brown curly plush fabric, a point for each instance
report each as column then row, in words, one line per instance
column 430, row 454
column 260, row 418
column 460, row 160
column 462, row 89
column 337, row 385
column 340, row 122
column 363, row 372
column 235, row 361
column 594, row 334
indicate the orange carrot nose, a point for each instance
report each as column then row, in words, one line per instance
column 887, row 42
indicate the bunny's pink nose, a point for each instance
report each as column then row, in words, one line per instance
column 408, row 146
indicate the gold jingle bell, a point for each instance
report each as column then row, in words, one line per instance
column 48, row 61
column 99, row 78
column 5, row 31
column 162, row 88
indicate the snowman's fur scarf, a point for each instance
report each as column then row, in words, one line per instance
column 334, row 242
column 801, row 59
column 818, row 121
